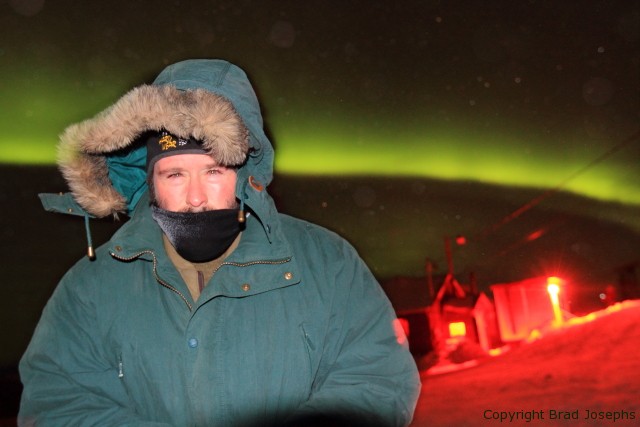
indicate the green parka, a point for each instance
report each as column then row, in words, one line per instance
column 291, row 328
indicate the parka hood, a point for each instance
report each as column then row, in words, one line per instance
column 103, row 158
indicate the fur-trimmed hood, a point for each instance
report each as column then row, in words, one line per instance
column 103, row 158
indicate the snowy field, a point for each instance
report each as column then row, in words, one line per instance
column 586, row 373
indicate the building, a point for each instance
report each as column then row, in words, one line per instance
column 457, row 314
column 528, row 305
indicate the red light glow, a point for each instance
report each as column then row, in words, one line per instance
column 553, row 287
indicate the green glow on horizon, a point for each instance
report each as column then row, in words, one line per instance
column 32, row 126
column 449, row 156
column 23, row 151
column 440, row 157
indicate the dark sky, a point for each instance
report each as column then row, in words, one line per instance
column 533, row 94
column 536, row 94
column 529, row 83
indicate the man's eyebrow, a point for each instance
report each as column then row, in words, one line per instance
column 175, row 169
column 168, row 171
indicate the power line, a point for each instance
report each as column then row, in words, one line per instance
column 537, row 200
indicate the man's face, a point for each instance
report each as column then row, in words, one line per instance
column 193, row 183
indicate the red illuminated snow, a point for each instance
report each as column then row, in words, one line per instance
column 590, row 366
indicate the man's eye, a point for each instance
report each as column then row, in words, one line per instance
column 214, row 171
column 174, row 175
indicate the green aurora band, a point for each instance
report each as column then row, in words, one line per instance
column 322, row 146
column 449, row 155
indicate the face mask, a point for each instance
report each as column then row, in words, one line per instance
column 199, row 236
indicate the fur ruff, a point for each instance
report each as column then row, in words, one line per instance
column 198, row 113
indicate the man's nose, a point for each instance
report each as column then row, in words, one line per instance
column 196, row 194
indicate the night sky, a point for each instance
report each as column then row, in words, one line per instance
column 398, row 124
column 530, row 99
column 542, row 96
column 522, row 93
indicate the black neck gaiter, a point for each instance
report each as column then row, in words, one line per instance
column 199, row 236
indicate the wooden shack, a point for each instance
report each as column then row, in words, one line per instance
column 454, row 315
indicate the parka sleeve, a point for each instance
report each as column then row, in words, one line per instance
column 68, row 376
column 367, row 376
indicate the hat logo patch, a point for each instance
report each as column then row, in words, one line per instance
column 167, row 142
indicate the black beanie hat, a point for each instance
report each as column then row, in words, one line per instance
column 163, row 144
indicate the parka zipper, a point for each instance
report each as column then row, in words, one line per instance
column 180, row 294
column 155, row 273
column 250, row 263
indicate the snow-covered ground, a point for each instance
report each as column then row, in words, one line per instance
column 586, row 373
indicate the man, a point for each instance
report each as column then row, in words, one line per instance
column 207, row 307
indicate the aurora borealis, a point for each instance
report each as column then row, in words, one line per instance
column 492, row 92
